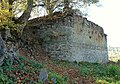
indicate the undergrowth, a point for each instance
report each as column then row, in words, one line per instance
column 24, row 72
column 27, row 71
column 103, row 73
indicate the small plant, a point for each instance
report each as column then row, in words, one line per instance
column 58, row 78
column 85, row 71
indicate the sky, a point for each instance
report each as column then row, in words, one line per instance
column 107, row 16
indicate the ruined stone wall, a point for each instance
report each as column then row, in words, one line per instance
column 89, row 41
column 72, row 38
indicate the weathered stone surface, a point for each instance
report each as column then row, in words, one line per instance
column 7, row 52
column 2, row 50
column 54, row 81
column 10, row 53
column 43, row 75
column 1, row 60
column 72, row 38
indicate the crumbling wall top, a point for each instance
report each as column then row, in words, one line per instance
column 56, row 17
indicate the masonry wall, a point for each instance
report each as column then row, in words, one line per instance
column 89, row 41
column 72, row 38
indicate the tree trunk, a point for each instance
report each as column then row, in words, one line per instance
column 26, row 15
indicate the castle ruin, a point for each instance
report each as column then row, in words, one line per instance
column 71, row 37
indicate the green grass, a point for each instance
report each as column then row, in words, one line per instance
column 108, row 73
column 102, row 73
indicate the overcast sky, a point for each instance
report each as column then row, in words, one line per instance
column 108, row 17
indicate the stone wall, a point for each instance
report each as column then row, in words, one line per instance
column 89, row 41
column 70, row 37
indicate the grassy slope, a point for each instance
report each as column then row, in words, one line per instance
column 65, row 72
